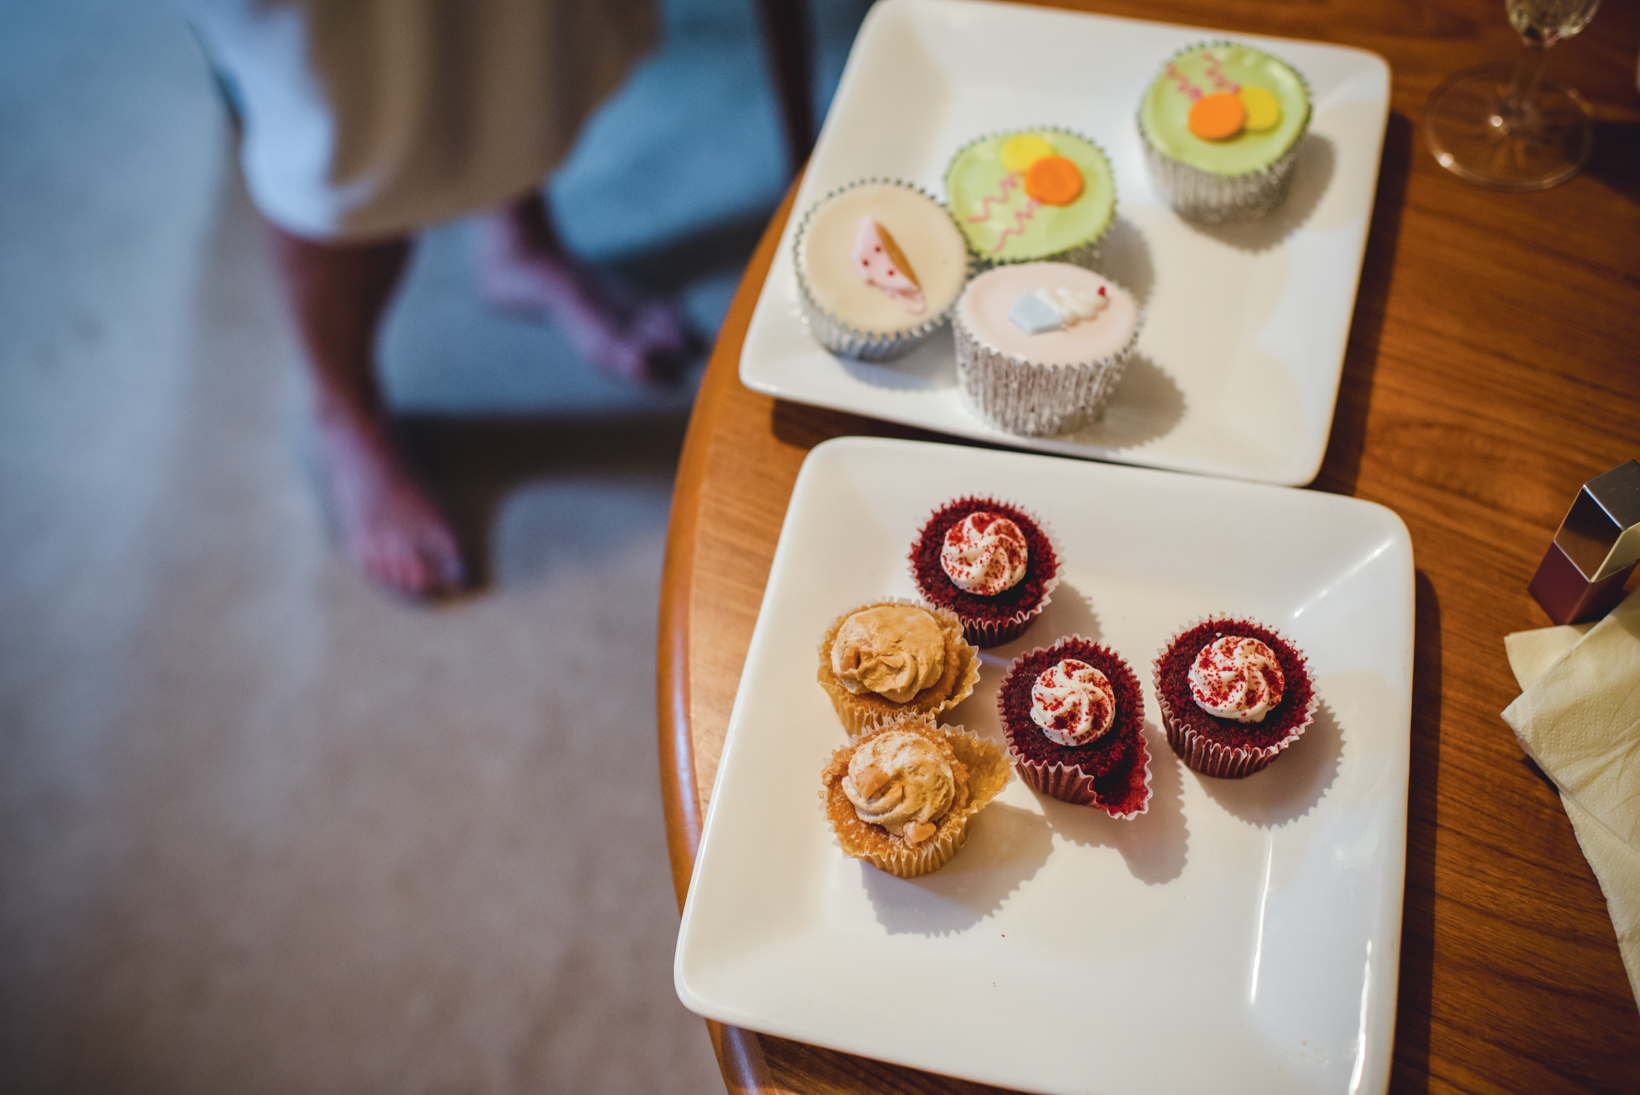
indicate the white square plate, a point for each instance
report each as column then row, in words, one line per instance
column 1237, row 369
column 1241, row 936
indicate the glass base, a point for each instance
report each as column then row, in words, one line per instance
column 1467, row 131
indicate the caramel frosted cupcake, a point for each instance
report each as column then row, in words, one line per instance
column 1074, row 716
column 893, row 658
column 991, row 563
column 1041, row 345
column 901, row 795
column 1233, row 695
column 879, row 265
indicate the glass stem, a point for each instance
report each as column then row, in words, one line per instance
column 1520, row 101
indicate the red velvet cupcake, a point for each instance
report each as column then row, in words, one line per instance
column 989, row 562
column 1074, row 716
column 1233, row 695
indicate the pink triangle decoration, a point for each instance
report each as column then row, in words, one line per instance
column 880, row 263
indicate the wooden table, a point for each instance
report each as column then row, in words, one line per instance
column 1493, row 365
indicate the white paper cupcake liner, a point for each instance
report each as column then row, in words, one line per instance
column 1206, row 198
column 857, row 715
column 1082, row 253
column 1032, row 398
column 838, row 335
column 1207, row 756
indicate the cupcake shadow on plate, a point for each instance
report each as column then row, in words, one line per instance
column 1155, row 847
column 926, row 368
column 1007, row 846
column 1071, row 612
column 1283, row 793
column 1313, row 167
column 1125, row 258
column 1147, row 404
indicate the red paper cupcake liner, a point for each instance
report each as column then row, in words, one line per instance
column 1070, row 783
column 1076, row 787
column 1209, row 757
column 988, row 633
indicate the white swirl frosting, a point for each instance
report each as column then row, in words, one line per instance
column 1072, row 702
column 901, row 781
column 984, row 553
column 895, row 651
column 1237, row 677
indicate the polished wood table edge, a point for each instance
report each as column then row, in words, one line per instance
column 739, row 1054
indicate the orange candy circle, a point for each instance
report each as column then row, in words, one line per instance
column 1217, row 117
column 1053, row 180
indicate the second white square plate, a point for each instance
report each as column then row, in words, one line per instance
column 1241, row 936
column 1237, row 370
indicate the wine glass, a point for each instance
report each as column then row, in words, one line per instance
column 1503, row 125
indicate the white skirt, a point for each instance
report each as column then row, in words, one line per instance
column 372, row 118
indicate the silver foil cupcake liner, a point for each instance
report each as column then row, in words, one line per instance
column 1207, row 756
column 1030, row 398
column 843, row 338
column 1205, row 198
column 1085, row 253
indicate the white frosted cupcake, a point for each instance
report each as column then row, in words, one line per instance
column 1041, row 345
column 879, row 266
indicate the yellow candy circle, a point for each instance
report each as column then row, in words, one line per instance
column 1263, row 112
column 1019, row 153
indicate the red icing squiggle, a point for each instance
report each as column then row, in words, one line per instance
column 1215, row 72
column 1009, row 182
column 1018, row 227
column 1182, row 82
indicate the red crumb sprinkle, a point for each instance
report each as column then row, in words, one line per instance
column 1173, row 681
column 937, row 586
column 1110, row 758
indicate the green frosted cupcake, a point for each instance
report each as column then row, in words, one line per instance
column 1031, row 195
column 1221, row 126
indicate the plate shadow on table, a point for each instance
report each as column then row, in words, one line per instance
column 1342, row 462
column 1616, row 159
column 1409, row 1070
column 1293, row 783
column 1156, row 844
column 1006, row 846
column 1312, row 172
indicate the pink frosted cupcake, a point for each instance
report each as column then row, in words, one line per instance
column 1233, row 695
column 1041, row 345
column 1074, row 717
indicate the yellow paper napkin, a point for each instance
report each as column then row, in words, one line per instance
column 1578, row 717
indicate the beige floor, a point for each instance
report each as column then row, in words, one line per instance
column 261, row 828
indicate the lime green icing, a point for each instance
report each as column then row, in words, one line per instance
column 1025, row 229
column 1165, row 109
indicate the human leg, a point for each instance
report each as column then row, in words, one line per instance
column 523, row 263
column 389, row 527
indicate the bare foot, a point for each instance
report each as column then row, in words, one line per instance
column 636, row 337
column 389, row 527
